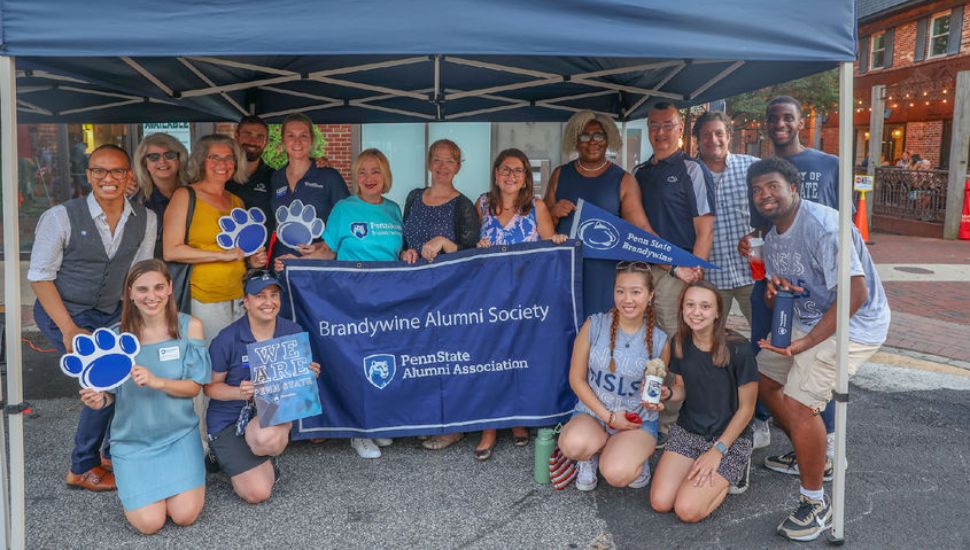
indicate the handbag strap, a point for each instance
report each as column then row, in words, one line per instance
column 190, row 212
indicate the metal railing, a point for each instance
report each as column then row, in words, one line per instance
column 910, row 194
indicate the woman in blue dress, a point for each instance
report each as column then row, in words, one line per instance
column 155, row 443
column 510, row 213
column 593, row 178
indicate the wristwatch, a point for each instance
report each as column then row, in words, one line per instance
column 721, row 448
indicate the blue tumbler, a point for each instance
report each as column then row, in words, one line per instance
column 781, row 319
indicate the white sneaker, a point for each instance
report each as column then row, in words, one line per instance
column 383, row 441
column 643, row 479
column 365, row 448
column 762, row 433
column 586, row 476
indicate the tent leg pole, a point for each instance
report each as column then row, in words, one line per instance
column 837, row 534
column 11, row 273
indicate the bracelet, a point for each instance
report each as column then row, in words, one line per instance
column 610, row 421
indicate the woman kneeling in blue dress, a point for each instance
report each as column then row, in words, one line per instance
column 155, row 444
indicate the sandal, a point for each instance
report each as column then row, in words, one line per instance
column 484, row 454
column 440, row 442
column 520, row 440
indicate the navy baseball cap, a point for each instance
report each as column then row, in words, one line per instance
column 260, row 280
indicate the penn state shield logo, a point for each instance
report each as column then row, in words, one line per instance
column 598, row 234
column 379, row 369
column 358, row 229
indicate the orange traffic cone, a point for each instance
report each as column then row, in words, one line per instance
column 965, row 219
column 862, row 218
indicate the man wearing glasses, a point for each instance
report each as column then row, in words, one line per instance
column 678, row 197
column 82, row 252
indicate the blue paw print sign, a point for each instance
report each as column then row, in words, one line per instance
column 103, row 360
column 298, row 224
column 244, row 229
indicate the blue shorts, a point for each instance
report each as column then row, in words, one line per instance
column 650, row 423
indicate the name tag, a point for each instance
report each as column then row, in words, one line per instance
column 280, row 191
column 169, row 354
column 245, row 362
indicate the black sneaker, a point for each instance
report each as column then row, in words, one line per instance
column 808, row 521
column 661, row 440
column 742, row 485
column 211, row 464
column 788, row 464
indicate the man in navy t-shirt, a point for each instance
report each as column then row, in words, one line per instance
column 819, row 173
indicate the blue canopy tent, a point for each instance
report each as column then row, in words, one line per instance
column 374, row 61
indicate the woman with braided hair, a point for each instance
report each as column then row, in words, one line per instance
column 610, row 429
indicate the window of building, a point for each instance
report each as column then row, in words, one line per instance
column 939, row 35
column 877, row 51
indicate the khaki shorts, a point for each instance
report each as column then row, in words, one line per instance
column 809, row 377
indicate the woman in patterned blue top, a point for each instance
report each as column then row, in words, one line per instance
column 156, row 449
column 510, row 213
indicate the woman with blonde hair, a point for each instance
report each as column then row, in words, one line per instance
column 216, row 278
column 596, row 180
column 159, row 165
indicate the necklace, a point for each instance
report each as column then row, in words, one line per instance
column 632, row 337
column 579, row 163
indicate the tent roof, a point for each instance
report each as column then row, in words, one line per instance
column 382, row 61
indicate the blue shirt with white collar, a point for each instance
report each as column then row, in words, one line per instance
column 228, row 354
column 676, row 190
column 320, row 187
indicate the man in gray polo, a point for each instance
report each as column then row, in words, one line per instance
column 82, row 252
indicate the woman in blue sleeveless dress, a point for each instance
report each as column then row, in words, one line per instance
column 155, row 444
column 510, row 213
column 609, row 356
column 596, row 180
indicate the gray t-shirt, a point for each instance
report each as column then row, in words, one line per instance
column 807, row 255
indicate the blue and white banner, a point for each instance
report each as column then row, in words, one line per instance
column 477, row 339
column 607, row 237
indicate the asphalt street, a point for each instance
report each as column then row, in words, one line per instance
column 908, row 482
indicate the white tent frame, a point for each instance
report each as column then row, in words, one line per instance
column 12, row 518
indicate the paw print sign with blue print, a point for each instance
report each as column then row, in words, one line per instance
column 298, row 224
column 244, row 229
column 103, row 360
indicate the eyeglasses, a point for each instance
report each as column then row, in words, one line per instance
column 116, row 173
column 169, row 155
column 506, row 171
column 216, row 159
column 632, row 265
column 598, row 137
column 666, row 126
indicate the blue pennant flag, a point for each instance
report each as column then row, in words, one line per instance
column 607, row 237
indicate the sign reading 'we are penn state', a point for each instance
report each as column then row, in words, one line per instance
column 476, row 339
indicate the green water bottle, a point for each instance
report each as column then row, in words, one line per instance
column 545, row 444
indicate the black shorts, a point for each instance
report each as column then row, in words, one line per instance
column 233, row 453
column 691, row 445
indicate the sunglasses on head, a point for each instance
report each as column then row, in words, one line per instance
column 634, row 265
column 169, row 155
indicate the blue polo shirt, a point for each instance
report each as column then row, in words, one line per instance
column 228, row 354
column 321, row 187
column 676, row 190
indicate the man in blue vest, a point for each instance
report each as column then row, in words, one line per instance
column 82, row 252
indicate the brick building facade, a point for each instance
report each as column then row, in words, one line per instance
column 914, row 49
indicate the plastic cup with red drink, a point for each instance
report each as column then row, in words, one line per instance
column 756, row 258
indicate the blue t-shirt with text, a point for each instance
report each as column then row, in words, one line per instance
column 360, row 231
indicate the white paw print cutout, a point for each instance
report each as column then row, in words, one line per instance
column 103, row 360
column 298, row 224
column 244, row 229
